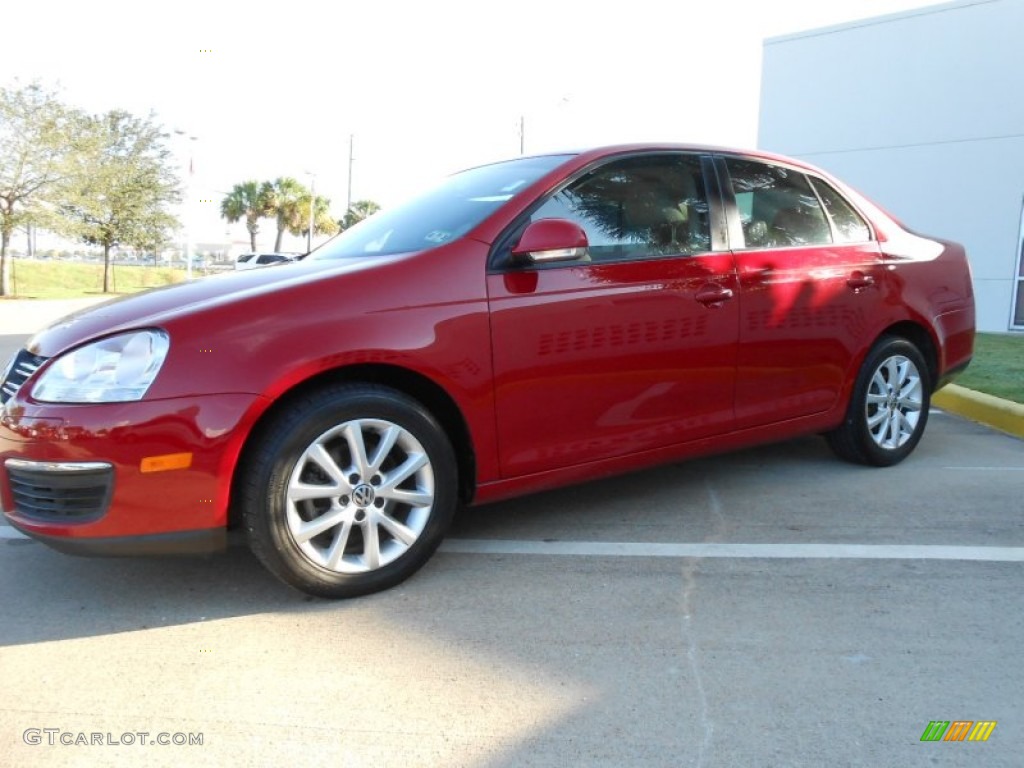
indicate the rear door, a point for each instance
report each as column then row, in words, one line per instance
column 810, row 280
column 632, row 350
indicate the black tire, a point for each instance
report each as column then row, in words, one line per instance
column 370, row 527
column 888, row 410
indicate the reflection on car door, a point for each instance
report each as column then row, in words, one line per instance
column 632, row 351
column 810, row 279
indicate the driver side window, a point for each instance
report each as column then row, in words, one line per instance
column 637, row 208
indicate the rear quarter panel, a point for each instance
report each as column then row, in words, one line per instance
column 932, row 279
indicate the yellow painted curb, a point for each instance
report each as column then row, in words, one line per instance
column 977, row 406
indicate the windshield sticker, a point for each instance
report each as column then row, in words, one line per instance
column 375, row 245
column 438, row 236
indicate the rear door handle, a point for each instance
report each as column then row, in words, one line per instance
column 713, row 295
column 858, row 280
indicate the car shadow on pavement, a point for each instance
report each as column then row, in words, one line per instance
column 60, row 596
column 648, row 503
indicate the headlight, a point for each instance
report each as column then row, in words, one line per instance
column 113, row 370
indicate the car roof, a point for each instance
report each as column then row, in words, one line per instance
column 594, row 153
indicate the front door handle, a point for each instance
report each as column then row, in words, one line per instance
column 713, row 295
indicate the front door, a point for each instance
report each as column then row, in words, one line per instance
column 631, row 351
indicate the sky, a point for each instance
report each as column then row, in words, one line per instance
column 423, row 88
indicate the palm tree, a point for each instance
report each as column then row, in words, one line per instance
column 285, row 199
column 359, row 211
column 323, row 223
column 249, row 200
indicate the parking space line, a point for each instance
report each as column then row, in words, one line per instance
column 713, row 550
column 726, row 550
column 987, row 469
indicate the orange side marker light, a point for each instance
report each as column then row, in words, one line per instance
column 166, row 462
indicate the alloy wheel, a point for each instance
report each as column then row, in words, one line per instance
column 359, row 496
column 894, row 402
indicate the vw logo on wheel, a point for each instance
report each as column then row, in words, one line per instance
column 362, row 495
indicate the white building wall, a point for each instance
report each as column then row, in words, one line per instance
column 923, row 112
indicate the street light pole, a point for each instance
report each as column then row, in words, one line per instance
column 312, row 209
column 522, row 123
column 351, row 144
column 187, row 211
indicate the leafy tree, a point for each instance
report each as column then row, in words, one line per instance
column 251, row 201
column 359, row 211
column 38, row 134
column 124, row 185
column 285, row 198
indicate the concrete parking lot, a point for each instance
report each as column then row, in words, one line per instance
column 774, row 607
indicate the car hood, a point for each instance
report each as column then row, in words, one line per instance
column 156, row 307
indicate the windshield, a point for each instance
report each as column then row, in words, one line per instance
column 446, row 212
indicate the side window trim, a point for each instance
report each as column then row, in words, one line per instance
column 715, row 190
column 498, row 257
column 736, row 239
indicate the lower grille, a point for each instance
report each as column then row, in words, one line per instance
column 60, row 492
column 21, row 367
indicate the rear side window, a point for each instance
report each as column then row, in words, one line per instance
column 847, row 224
column 777, row 206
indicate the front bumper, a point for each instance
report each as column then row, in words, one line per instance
column 90, row 479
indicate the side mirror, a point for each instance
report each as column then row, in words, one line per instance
column 549, row 240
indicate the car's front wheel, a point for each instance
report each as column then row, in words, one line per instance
column 889, row 407
column 349, row 490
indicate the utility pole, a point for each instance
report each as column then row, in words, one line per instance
column 351, row 144
column 312, row 208
column 188, row 206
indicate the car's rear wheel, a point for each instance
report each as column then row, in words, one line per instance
column 889, row 407
column 349, row 490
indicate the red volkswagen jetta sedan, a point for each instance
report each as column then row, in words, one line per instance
column 524, row 325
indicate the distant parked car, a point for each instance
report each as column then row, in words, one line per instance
column 251, row 260
column 524, row 325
